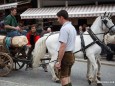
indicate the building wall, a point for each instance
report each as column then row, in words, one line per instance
column 46, row 3
column 58, row 3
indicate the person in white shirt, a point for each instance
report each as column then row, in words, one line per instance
column 67, row 37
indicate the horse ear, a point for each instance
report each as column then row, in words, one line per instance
column 104, row 14
column 110, row 15
column 102, row 17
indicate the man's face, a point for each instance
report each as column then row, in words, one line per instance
column 14, row 12
column 33, row 29
column 60, row 20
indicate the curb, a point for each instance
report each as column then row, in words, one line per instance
column 102, row 62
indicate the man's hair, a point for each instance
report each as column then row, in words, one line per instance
column 33, row 26
column 63, row 13
column 12, row 9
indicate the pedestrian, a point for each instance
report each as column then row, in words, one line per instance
column 80, row 29
column 23, row 30
column 32, row 37
column 84, row 27
column 110, row 42
column 67, row 37
column 45, row 31
column 11, row 24
column 110, row 56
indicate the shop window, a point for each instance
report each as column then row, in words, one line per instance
column 1, row 2
column 23, row 0
column 2, row 15
column 10, row 1
column 82, row 21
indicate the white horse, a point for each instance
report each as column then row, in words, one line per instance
column 100, row 25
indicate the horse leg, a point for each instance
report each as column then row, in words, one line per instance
column 89, row 71
column 93, row 61
column 54, row 77
column 51, row 65
column 98, row 72
column 99, row 67
column 95, row 67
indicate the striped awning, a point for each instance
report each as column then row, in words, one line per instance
column 8, row 6
column 75, row 11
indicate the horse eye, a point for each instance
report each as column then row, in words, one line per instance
column 105, row 21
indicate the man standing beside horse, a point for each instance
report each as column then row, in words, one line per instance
column 66, row 39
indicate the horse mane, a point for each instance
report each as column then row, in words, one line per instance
column 93, row 26
column 39, row 51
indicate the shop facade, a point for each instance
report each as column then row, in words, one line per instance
column 43, row 12
column 79, row 12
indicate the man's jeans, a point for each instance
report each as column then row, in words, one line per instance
column 24, row 32
column 13, row 33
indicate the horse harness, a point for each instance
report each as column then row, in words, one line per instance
column 95, row 40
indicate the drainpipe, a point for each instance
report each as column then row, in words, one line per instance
column 96, row 3
column 66, row 3
column 39, row 3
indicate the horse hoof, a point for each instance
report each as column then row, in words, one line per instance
column 89, row 82
column 57, row 81
column 99, row 78
column 45, row 70
column 99, row 84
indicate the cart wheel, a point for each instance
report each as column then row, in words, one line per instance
column 19, row 60
column 18, row 65
column 6, row 64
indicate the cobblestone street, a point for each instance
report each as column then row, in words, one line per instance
column 41, row 78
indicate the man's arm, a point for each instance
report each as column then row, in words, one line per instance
column 7, row 22
column 61, row 51
column 10, row 27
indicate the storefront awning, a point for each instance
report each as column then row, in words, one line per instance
column 8, row 6
column 75, row 11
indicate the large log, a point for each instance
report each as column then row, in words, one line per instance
column 2, row 39
column 19, row 41
column 16, row 41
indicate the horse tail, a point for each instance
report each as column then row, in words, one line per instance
column 39, row 51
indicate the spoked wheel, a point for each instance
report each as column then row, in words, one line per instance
column 6, row 64
column 18, row 65
column 19, row 60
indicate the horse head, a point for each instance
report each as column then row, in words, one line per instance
column 108, row 25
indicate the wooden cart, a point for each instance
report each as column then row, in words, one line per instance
column 14, row 58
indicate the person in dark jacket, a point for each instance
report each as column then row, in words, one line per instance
column 110, row 56
column 32, row 37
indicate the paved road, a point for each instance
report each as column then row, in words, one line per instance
column 41, row 78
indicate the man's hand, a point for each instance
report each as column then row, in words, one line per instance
column 29, row 46
column 17, row 28
column 58, row 65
